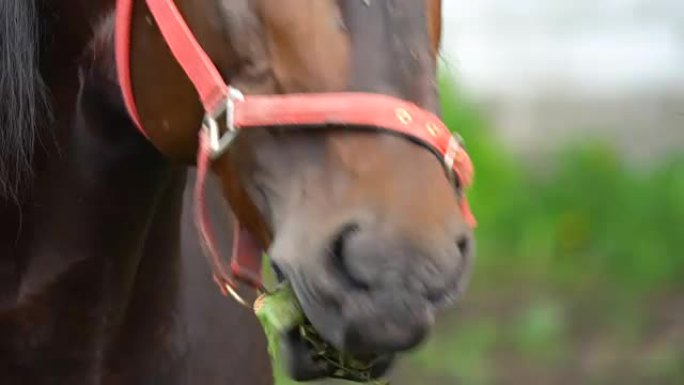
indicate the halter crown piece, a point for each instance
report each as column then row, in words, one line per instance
column 311, row 111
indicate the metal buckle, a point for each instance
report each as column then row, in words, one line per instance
column 456, row 143
column 218, row 144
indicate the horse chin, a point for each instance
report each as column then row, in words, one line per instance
column 301, row 365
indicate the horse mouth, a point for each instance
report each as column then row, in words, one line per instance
column 304, row 353
column 307, row 357
column 310, row 351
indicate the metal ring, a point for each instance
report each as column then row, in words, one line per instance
column 227, row 288
column 236, row 296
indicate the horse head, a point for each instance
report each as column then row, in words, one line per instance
column 365, row 225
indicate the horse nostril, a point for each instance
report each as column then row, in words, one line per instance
column 463, row 244
column 339, row 257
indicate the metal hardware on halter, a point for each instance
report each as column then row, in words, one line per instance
column 218, row 144
column 227, row 288
column 455, row 145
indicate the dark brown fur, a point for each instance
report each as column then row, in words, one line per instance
column 101, row 283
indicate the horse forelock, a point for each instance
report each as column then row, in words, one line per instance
column 23, row 99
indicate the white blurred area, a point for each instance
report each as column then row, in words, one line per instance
column 550, row 71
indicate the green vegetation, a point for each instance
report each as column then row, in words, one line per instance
column 280, row 312
column 579, row 276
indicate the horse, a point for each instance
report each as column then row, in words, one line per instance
column 109, row 136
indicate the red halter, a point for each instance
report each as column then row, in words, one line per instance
column 353, row 110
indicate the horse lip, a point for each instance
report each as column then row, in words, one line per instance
column 302, row 366
column 298, row 362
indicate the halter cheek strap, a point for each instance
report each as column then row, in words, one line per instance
column 359, row 111
column 245, row 264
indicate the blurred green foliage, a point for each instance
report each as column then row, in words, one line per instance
column 579, row 276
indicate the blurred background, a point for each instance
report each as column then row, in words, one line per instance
column 573, row 111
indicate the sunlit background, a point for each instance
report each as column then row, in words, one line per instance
column 545, row 72
column 573, row 111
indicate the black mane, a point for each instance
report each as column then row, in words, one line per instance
column 23, row 98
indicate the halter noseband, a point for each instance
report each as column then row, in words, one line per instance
column 351, row 110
